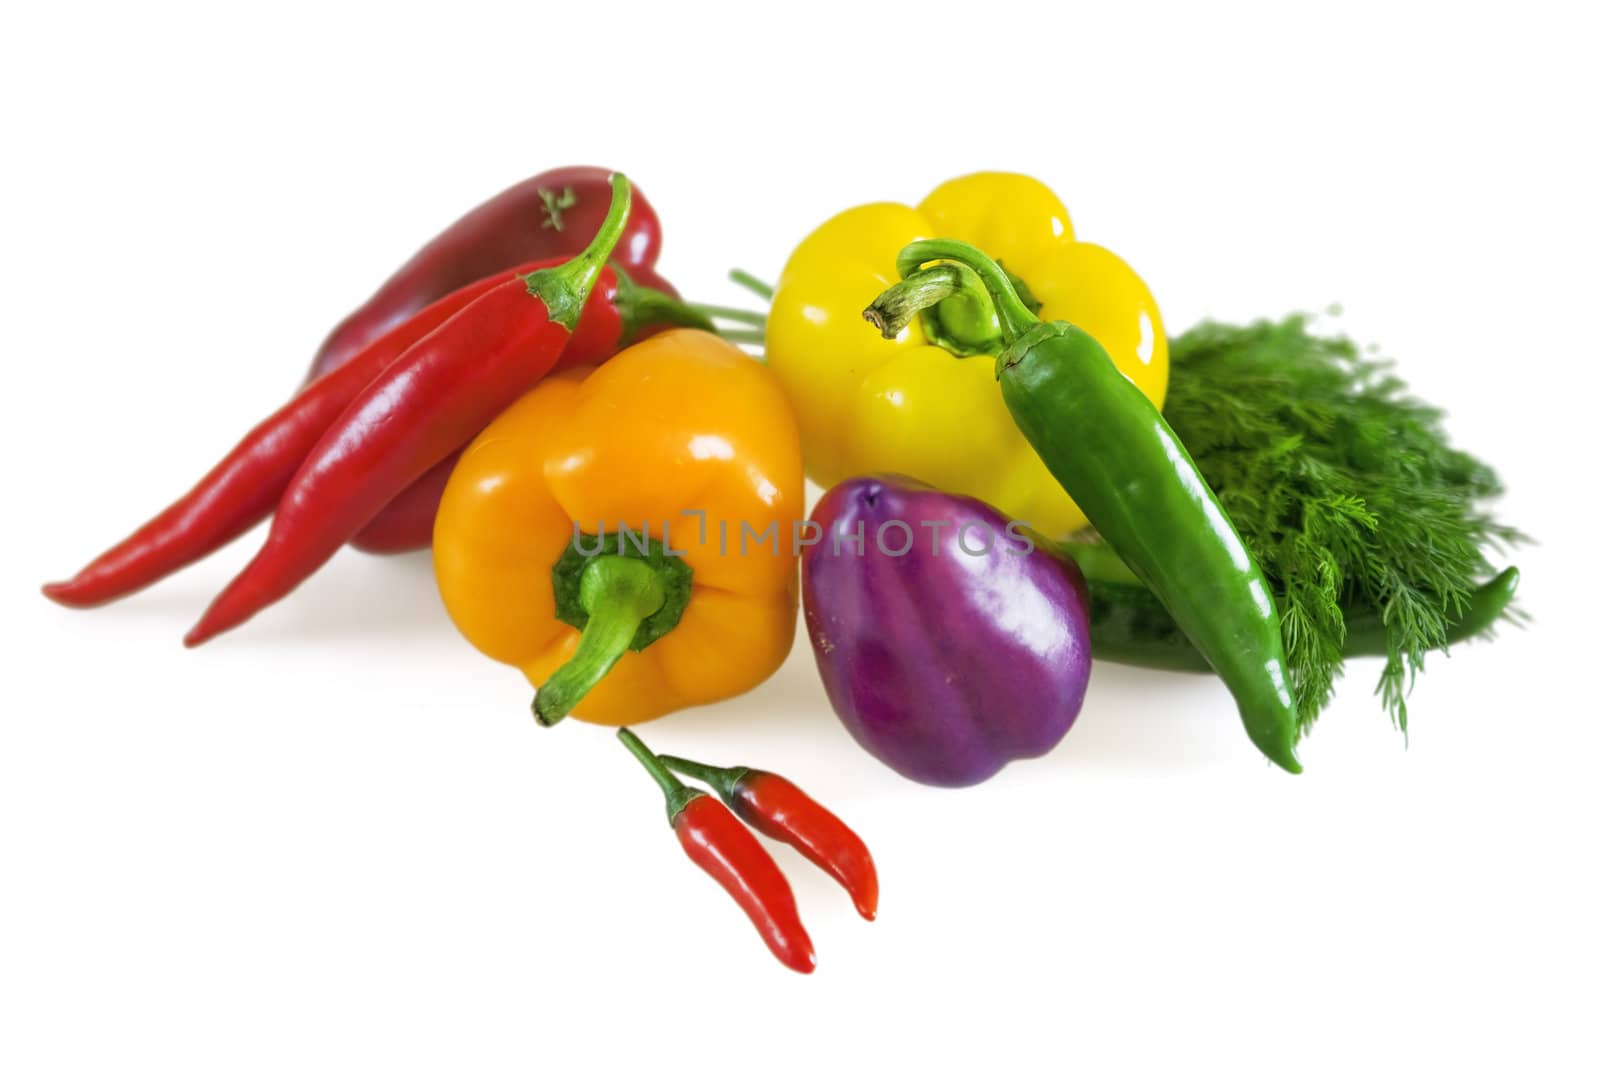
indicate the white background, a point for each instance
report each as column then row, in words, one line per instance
column 337, row 837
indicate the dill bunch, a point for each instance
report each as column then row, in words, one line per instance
column 1344, row 487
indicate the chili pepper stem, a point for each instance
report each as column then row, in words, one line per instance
column 618, row 593
column 717, row 311
column 678, row 795
column 751, row 282
column 565, row 289
column 641, row 308
column 723, row 779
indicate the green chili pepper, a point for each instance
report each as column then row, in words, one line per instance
column 1112, row 451
column 1127, row 624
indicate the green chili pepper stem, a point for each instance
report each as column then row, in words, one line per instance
column 1011, row 312
column 678, row 795
column 752, row 283
column 723, row 779
column 619, row 593
column 717, row 311
column 565, row 289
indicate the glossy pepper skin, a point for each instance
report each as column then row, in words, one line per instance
column 421, row 408
column 719, row 844
column 945, row 662
column 1128, row 624
column 867, row 404
column 1136, row 482
column 1108, row 445
column 784, row 812
column 552, row 215
column 647, row 302
column 247, row 484
column 678, row 424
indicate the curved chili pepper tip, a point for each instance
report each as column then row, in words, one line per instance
column 60, row 592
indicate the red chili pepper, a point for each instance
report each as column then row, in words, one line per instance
column 243, row 489
column 406, row 522
column 783, row 811
column 247, row 484
column 720, row 845
column 549, row 216
column 422, row 407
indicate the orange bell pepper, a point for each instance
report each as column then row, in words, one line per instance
column 625, row 534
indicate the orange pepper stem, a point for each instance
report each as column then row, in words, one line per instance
column 618, row 593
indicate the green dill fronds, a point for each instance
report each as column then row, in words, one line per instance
column 1344, row 487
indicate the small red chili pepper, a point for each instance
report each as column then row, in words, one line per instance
column 720, row 845
column 422, row 407
column 783, row 811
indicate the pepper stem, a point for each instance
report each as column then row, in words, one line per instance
column 751, row 282
column 642, row 308
column 723, row 779
column 1010, row 310
column 619, row 593
column 957, row 314
column 678, row 795
column 565, row 289
column 717, row 311
column 896, row 306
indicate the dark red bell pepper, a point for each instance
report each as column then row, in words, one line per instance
column 550, row 215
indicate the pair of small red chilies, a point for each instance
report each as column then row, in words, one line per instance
column 361, row 454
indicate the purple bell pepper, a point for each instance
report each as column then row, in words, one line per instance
column 948, row 641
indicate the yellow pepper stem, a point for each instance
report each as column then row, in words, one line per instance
column 619, row 593
column 957, row 314
column 1011, row 314
column 896, row 306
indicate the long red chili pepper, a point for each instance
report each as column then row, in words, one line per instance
column 783, row 811
column 247, row 484
column 422, row 407
column 720, row 845
column 406, row 522
column 548, row 216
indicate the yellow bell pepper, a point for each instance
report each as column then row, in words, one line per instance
column 683, row 453
column 866, row 404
